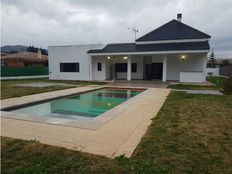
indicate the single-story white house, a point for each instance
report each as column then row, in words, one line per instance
column 172, row 52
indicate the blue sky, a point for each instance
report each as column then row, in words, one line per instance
column 58, row 22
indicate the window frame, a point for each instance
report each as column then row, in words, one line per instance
column 74, row 69
column 99, row 66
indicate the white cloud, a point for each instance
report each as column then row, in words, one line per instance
column 58, row 22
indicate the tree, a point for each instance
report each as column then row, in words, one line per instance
column 225, row 62
column 35, row 50
column 32, row 49
column 212, row 60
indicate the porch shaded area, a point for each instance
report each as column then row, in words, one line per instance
column 183, row 67
column 177, row 60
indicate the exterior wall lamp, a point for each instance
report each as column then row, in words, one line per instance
column 108, row 57
column 125, row 58
column 183, row 57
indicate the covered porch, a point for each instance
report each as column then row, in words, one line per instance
column 182, row 67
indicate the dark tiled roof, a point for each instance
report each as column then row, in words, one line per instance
column 115, row 48
column 132, row 47
column 173, row 30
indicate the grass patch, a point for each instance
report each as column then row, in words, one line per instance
column 27, row 157
column 9, row 90
column 191, row 134
column 194, row 87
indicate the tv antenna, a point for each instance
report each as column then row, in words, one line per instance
column 134, row 29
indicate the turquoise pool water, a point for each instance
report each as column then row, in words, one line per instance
column 90, row 104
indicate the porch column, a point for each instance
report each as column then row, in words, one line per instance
column 164, row 77
column 129, row 68
column 90, row 68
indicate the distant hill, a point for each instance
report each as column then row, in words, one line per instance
column 21, row 48
column 13, row 48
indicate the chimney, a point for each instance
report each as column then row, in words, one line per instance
column 39, row 53
column 179, row 17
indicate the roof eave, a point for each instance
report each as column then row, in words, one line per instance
column 150, row 52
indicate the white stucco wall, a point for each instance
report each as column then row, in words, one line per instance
column 194, row 62
column 99, row 75
column 71, row 54
column 158, row 58
column 213, row 71
column 193, row 77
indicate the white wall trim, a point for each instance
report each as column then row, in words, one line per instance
column 171, row 41
column 192, row 77
column 149, row 52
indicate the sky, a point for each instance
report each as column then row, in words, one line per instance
column 43, row 23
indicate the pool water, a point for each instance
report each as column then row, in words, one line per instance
column 90, row 104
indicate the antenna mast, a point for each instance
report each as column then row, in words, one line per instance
column 134, row 29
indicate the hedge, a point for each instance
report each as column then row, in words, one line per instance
column 23, row 71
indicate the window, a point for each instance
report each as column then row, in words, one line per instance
column 99, row 66
column 69, row 67
column 122, row 67
column 134, row 67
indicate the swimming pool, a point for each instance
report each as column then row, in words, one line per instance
column 90, row 104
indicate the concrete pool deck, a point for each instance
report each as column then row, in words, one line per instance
column 118, row 136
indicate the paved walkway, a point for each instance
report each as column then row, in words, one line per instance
column 23, row 77
column 118, row 136
column 212, row 92
column 140, row 83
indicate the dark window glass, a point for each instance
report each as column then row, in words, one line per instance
column 69, row 67
column 134, row 67
column 121, row 67
column 99, row 66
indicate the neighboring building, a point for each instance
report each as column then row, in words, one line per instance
column 220, row 61
column 172, row 52
column 3, row 54
column 24, row 59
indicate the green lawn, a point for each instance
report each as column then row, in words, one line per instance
column 8, row 90
column 194, row 87
column 191, row 134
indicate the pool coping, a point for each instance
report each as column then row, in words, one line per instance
column 81, row 122
column 119, row 136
